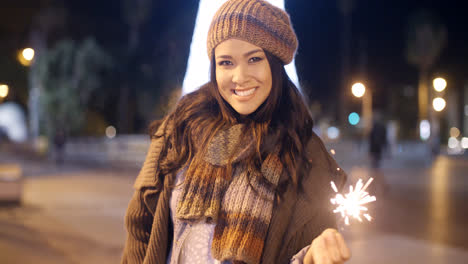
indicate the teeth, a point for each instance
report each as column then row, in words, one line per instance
column 245, row 93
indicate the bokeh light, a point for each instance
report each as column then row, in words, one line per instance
column 464, row 142
column 3, row 90
column 424, row 130
column 454, row 132
column 25, row 56
column 439, row 84
column 111, row 132
column 452, row 143
column 438, row 104
column 28, row 54
column 353, row 118
column 333, row 132
column 13, row 121
column 358, row 89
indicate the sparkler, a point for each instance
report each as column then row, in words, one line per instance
column 352, row 203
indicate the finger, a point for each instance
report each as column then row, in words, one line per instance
column 344, row 250
column 309, row 257
column 320, row 251
column 332, row 245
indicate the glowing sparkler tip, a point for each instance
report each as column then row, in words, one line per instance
column 368, row 217
column 334, row 186
column 351, row 204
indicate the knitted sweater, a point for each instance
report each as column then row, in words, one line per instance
column 296, row 220
column 192, row 241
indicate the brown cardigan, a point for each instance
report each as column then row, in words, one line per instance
column 296, row 221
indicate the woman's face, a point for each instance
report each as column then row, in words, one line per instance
column 243, row 75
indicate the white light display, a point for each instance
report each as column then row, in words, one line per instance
column 13, row 122
column 424, row 130
column 198, row 65
column 464, row 143
column 333, row 132
column 452, row 143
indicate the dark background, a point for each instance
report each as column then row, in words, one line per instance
column 377, row 49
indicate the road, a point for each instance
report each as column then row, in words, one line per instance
column 67, row 217
column 420, row 215
column 75, row 215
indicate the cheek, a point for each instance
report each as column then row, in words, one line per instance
column 224, row 80
column 223, row 83
column 220, row 79
column 268, row 80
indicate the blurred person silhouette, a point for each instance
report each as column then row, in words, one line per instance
column 392, row 137
column 378, row 144
column 434, row 139
column 235, row 174
column 59, row 146
column 3, row 135
column 377, row 141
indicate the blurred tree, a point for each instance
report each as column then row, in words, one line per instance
column 96, row 124
column 346, row 8
column 135, row 13
column 68, row 74
column 425, row 38
column 169, row 64
column 44, row 23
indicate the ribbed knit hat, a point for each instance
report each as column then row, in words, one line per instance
column 257, row 22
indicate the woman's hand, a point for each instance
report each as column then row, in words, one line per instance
column 328, row 248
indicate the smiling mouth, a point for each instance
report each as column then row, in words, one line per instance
column 244, row 92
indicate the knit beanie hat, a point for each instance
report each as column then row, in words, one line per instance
column 257, row 22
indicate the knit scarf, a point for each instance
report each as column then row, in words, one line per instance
column 240, row 204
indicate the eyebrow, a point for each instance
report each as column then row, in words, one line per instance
column 245, row 55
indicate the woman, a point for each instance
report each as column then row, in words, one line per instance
column 235, row 174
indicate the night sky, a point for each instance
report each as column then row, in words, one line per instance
column 378, row 32
column 381, row 25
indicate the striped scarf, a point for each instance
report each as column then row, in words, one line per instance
column 240, row 204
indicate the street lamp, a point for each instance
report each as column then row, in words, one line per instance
column 438, row 103
column 358, row 89
column 439, row 84
column 3, row 90
column 26, row 56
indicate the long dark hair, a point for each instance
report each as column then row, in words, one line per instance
column 283, row 118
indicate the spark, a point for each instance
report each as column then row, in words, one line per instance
column 351, row 205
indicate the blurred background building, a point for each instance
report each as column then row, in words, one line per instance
column 123, row 64
column 81, row 80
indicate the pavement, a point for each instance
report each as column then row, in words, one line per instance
column 74, row 213
column 420, row 214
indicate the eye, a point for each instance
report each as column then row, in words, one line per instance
column 255, row 59
column 224, row 63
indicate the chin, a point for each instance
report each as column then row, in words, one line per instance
column 245, row 112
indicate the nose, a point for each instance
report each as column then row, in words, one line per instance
column 240, row 75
